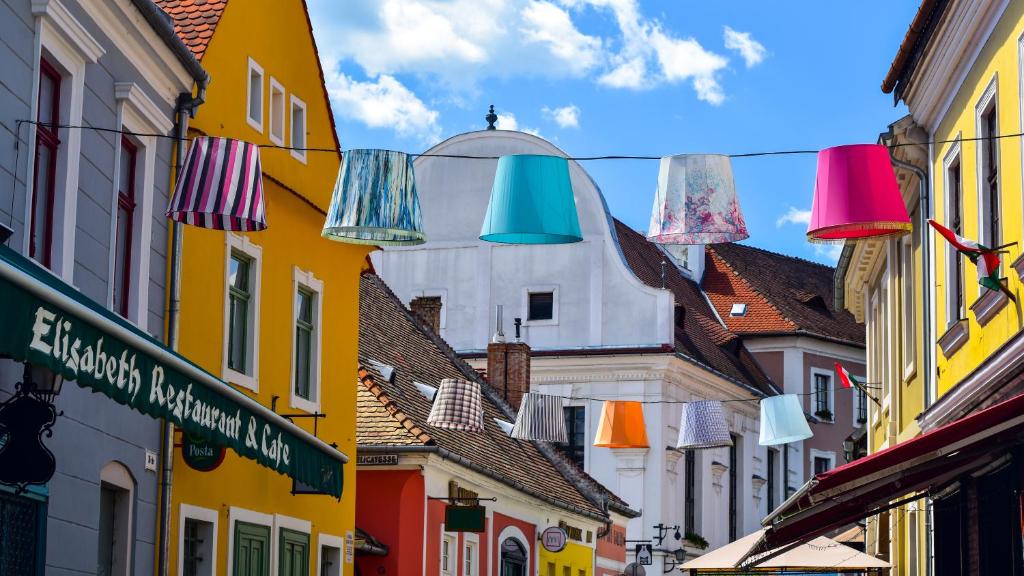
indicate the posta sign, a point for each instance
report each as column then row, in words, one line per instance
column 553, row 539
column 200, row 454
column 90, row 345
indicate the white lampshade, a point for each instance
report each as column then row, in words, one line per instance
column 783, row 420
column 540, row 418
column 703, row 425
column 696, row 202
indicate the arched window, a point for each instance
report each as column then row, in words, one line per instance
column 513, row 558
column 117, row 495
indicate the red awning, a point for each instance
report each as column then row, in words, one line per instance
column 871, row 484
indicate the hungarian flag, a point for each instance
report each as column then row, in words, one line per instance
column 984, row 258
column 845, row 378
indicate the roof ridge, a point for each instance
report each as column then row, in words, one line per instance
column 779, row 254
column 403, row 419
column 715, row 256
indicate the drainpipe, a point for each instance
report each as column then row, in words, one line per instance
column 925, row 210
column 186, row 108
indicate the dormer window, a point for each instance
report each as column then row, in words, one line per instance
column 738, row 309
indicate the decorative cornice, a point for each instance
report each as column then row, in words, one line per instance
column 989, row 304
column 954, row 338
column 59, row 16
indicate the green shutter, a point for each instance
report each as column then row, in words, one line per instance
column 252, row 550
column 294, row 553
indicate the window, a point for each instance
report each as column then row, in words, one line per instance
column 772, row 481
column 988, row 185
column 576, row 430
column 254, row 98
column 242, row 312
column 330, row 555
column 121, row 286
column 251, row 552
column 115, row 534
column 690, row 492
column 197, row 554
column 954, row 261
column 566, row 570
column 469, row 560
column 860, row 407
column 306, row 344
column 447, row 544
column 821, row 465
column 551, row 569
column 738, row 309
column 823, row 401
column 276, row 112
column 913, row 545
column 298, row 129
column 293, row 553
column 541, row 306
column 822, row 461
column 907, row 249
column 24, row 519
column 734, row 462
column 44, row 183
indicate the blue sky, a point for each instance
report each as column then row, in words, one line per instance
column 649, row 77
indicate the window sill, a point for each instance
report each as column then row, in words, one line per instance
column 909, row 371
column 954, row 338
column 242, row 380
column 989, row 304
column 300, row 403
column 1018, row 266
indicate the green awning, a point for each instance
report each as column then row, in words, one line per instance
column 45, row 321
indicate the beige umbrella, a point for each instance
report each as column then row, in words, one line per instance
column 819, row 555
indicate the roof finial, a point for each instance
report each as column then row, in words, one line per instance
column 491, row 118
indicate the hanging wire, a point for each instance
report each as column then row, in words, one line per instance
column 487, row 157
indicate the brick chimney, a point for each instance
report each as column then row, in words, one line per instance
column 428, row 309
column 508, row 369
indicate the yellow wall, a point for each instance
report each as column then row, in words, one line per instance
column 576, row 557
column 275, row 34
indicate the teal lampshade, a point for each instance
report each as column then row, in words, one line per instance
column 783, row 421
column 531, row 202
column 375, row 200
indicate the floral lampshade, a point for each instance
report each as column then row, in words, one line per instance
column 622, row 425
column 856, row 195
column 703, row 425
column 220, row 186
column 531, row 202
column 457, row 406
column 375, row 200
column 783, row 420
column 696, row 202
column 540, row 418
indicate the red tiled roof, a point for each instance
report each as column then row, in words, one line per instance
column 700, row 337
column 783, row 294
column 194, row 21
column 389, row 334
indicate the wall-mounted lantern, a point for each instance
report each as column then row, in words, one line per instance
column 25, row 418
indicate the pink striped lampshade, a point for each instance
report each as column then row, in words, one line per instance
column 220, row 186
column 856, row 195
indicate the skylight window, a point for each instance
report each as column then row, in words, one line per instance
column 738, row 309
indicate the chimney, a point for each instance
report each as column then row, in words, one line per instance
column 428, row 309
column 508, row 369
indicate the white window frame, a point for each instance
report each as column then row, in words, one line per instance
column 514, row 532
column 330, row 541
column 452, row 557
column 306, row 280
column 255, row 123
column 856, row 404
column 952, row 157
column 826, row 454
column 118, row 475
column 276, row 138
column 293, row 103
column 236, row 514
column 909, row 326
column 139, row 114
column 989, row 101
column 470, row 541
column 288, row 523
column 242, row 244
column 831, row 400
column 72, row 48
column 539, row 288
column 187, row 511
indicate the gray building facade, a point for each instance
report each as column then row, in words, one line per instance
column 88, row 205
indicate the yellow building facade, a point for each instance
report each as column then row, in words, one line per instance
column 941, row 345
column 274, row 313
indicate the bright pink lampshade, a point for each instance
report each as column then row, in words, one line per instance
column 856, row 195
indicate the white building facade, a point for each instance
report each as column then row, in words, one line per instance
column 597, row 331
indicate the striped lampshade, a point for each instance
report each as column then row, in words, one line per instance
column 375, row 201
column 220, row 186
column 540, row 418
column 703, row 425
column 457, row 406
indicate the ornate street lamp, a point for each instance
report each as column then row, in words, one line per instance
column 25, row 418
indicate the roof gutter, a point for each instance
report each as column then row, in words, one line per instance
column 449, row 455
column 161, row 23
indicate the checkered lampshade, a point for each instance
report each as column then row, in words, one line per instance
column 540, row 418
column 457, row 406
column 220, row 186
column 703, row 425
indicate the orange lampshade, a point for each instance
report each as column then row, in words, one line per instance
column 622, row 425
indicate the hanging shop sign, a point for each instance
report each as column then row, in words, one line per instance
column 645, row 554
column 377, row 460
column 200, row 454
column 553, row 539
column 464, row 518
column 49, row 323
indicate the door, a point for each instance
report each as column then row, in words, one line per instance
column 294, row 548
column 513, row 558
column 252, row 550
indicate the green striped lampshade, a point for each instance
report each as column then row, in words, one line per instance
column 375, row 201
column 531, row 202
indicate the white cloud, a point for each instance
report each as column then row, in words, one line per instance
column 828, row 252
column 565, row 116
column 383, row 103
column 507, row 121
column 629, row 74
column 794, row 216
column 550, row 25
column 752, row 51
column 686, row 59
